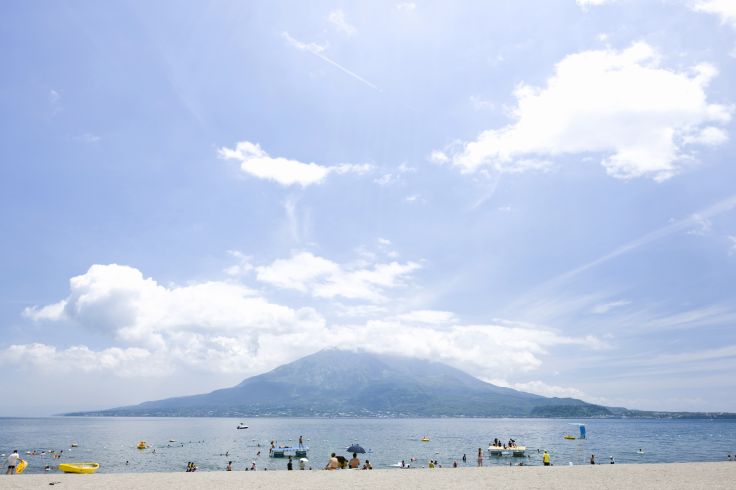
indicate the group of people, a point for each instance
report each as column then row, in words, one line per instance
column 338, row 462
column 191, row 467
column 497, row 443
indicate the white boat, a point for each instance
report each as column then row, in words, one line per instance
column 241, row 425
column 506, row 451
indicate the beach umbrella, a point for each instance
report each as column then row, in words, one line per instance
column 355, row 448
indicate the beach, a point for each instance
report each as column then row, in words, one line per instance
column 649, row 476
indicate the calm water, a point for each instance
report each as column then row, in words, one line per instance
column 111, row 441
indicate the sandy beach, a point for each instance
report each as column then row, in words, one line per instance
column 648, row 476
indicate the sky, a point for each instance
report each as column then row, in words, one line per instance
column 539, row 193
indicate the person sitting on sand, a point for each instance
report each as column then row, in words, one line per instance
column 332, row 464
column 367, row 465
column 229, row 466
column 354, row 462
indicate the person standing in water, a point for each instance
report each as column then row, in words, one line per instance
column 301, row 442
column 289, row 465
column 592, row 459
column 545, row 458
column 480, row 457
column 229, row 466
column 12, row 462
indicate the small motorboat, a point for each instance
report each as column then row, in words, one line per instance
column 425, row 439
column 241, row 425
column 74, row 444
column 141, row 445
column 81, row 468
column 569, row 437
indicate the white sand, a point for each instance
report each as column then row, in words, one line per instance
column 638, row 476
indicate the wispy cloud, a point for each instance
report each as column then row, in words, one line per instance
column 337, row 19
column 318, row 50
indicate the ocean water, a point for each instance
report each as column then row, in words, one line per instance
column 112, row 441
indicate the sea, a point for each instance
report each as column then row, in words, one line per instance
column 212, row 442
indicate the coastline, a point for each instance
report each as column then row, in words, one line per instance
column 721, row 475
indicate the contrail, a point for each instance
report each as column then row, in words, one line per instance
column 317, row 50
column 680, row 225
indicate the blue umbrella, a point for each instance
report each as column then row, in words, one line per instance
column 355, row 448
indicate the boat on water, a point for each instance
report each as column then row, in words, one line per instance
column 241, row 425
column 507, row 451
column 285, row 452
column 425, row 439
column 81, row 468
column 74, row 444
column 569, row 437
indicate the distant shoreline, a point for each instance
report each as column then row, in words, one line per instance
column 604, row 476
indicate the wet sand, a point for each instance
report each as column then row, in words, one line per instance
column 648, row 476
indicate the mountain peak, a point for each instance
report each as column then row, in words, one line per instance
column 360, row 383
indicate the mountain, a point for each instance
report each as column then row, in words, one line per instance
column 342, row 383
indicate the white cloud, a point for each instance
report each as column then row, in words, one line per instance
column 337, row 18
column 313, row 48
column 622, row 104
column 128, row 362
column 594, row 3
column 210, row 326
column 606, row 307
column 395, row 176
column 406, row 7
column 487, row 351
column 54, row 96
column 256, row 162
column 725, row 9
column 428, row 317
column 481, row 104
column 242, row 267
column 544, row 389
column 323, row 278
column 703, row 225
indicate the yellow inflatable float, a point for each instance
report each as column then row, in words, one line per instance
column 82, row 468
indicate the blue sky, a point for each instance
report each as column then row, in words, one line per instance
column 539, row 193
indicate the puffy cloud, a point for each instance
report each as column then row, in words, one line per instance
column 337, row 19
column 324, row 278
column 622, row 104
column 256, row 162
column 213, row 326
column 725, row 9
column 226, row 327
column 129, row 362
column 487, row 351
